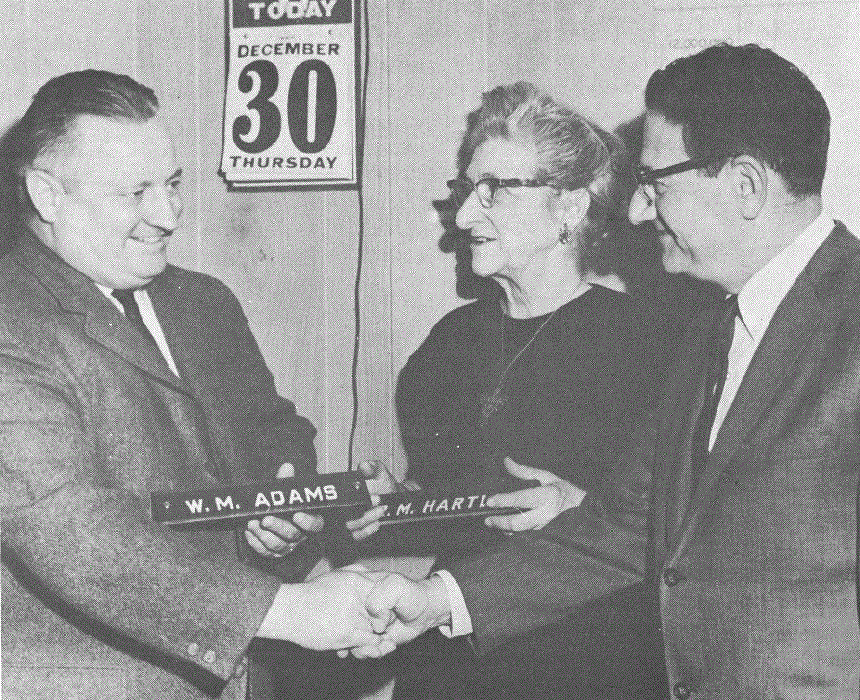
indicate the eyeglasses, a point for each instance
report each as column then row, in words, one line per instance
column 486, row 188
column 647, row 176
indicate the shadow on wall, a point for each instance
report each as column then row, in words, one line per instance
column 10, row 207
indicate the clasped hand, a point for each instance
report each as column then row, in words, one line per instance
column 368, row 613
column 400, row 609
column 273, row 537
column 540, row 504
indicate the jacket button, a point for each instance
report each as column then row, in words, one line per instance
column 682, row 692
column 240, row 667
column 193, row 649
column 209, row 657
column 672, row 577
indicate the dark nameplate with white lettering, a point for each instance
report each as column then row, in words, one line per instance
column 436, row 504
column 339, row 494
column 214, row 507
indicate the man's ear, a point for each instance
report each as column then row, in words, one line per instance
column 750, row 182
column 573, row 206
column 44, row 190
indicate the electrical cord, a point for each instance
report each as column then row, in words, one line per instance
column 362, row 72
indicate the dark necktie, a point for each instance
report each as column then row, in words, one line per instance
column 721, row 341
column 132, row 311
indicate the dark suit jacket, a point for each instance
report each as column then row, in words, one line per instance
column 758, row 571
column 103, row 602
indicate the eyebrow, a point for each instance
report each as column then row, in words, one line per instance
column 146, row 183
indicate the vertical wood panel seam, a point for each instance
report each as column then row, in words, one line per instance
column 553, row 65
column 198, row 146
column 384, row 54
column 485, row 28
column 30, row 43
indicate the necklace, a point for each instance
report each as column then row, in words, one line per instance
column 492, row 402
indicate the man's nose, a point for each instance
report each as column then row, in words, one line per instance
column 642, row 205
column 163, row 207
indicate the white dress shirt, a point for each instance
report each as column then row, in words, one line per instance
column 757, row 302
column 149, row 318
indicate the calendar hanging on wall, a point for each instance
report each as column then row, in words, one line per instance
column 291, row 103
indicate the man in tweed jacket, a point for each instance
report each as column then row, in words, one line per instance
column 97, row 411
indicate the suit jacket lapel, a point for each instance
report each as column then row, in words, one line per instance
column 795, row 330
column 101, row 320
column 681, row 405
column 165, row 292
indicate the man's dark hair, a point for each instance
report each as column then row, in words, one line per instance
column 50, row 119
column 746, row 100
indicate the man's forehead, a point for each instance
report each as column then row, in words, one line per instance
column 121, row 147
column 662, row 143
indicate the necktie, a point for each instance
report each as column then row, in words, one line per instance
column 132, row 311
column 721, row 341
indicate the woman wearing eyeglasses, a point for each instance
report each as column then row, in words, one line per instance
column 547, row 379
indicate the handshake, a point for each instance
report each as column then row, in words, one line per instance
column 352, row 610
column 371, row 613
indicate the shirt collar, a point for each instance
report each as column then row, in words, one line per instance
column 108, row 292
column 763, row 292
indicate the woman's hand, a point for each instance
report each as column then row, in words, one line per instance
column 542, row 503
column 379, row 481
column 274, row 537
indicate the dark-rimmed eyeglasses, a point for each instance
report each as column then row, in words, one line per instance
column 647, row 176
column 486, row 188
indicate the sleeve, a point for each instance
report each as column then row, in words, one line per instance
column 419, row 414
column 81, row 539
column 461, row 623
column 537, row 578
column 436, row 399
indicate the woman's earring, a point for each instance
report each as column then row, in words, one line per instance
column 564, row 236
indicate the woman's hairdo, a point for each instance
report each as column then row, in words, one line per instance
column 572, row 153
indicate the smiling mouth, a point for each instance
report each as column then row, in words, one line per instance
column 152, row 239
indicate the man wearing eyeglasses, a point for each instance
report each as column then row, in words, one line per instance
column 753, row 458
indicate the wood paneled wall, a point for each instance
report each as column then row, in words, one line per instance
column 291, row 257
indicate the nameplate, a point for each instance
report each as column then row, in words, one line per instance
column 412, row 506
column 340, row 494
column 327, row 492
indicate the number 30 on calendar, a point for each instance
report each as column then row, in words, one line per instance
column 290, row 108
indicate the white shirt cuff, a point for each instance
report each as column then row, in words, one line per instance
column 461, row 621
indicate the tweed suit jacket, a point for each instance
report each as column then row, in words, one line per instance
column 757, row 572
column 98, row 600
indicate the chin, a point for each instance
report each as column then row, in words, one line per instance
column 485, row 268
column 674, row 260
column 150, row 270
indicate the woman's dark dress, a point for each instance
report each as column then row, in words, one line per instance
column 573, row 398
column 573, row 395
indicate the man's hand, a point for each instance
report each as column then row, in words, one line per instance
column 328, row 612
column 272, row 536
column 380, row 480
column 544, row 503
column 400, row 609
